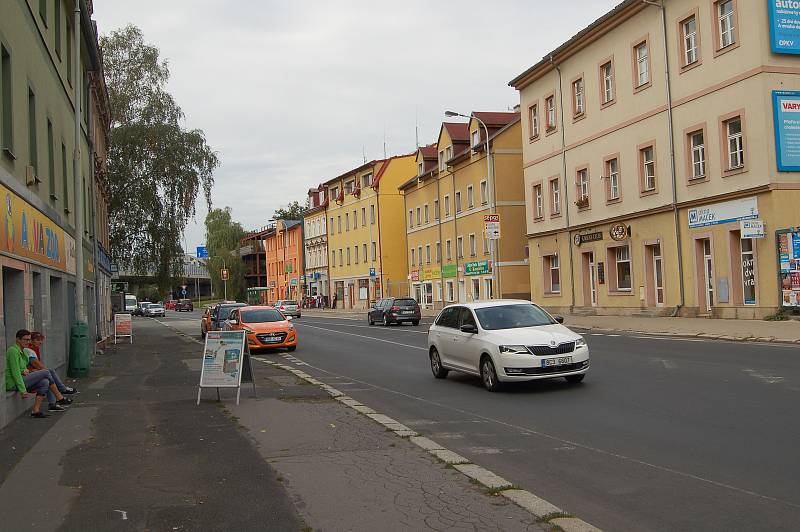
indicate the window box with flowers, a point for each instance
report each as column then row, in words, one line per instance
column 582, row 203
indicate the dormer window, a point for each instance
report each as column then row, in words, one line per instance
column 442, row 166
column 476, row 138
column 420, row 167
column 321, row 197
column 448, row 153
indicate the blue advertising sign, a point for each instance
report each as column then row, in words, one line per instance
column 784, row 26
column 202, row 252
column 786, row 111
column 372, row 272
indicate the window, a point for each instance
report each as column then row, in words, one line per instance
column 447, row 206
column 69, row 51
column 442, row 165
column 689, row 41
column 341, row 260
column 420, row 167
column 65, row 177
column 648, row 168
column 622, row 256
column 57, row 21
column 484, row 193
column 366, row 180
column 348, row 256
column 583, row 185
column 476, row 138
column 436, row 209
column 33, row 154
column 363, row 216
column 612, row 172
column 473, row 249
column 748, row 272
column 533, row 120
column 413, row 257
column 335, row 193
column 470, row 197
column 552, row 274
column 448, row 250
column 607, row 78
column 419, row 216
column 438, row 252
column 487, row 246
column 426, row 212
column 364, row 247
column 355, row 256
column 7, row 137
column 460, row 247
column 410, row 217
column 488, row 292
column 374, row 251
column 355, row 219
column 451, row 296
column 458, row 201
column 427, row 253
column 577, row 97
column 476, row 289
column 347, row 221
column 733, row 130
column 550, row 105
column 698, row 152
column 538, row 207
column 448, row 153
column 51, row 161
column 555, row 197
column 641, row 57
column 43, row 11
column 419, row 254
column 372, row 214
column 339, row 222
column 726, row 23
column 331, row 224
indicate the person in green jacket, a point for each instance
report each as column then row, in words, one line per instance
column 19, row 378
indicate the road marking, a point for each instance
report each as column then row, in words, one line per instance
column 769, row 379
column 374, row 328
column 367, row 337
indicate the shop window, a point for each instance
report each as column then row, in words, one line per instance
column 619, row 260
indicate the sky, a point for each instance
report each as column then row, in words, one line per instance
column 293, row 93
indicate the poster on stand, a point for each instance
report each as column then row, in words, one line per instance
column 123, row 326
column 788, row 242
column 222, row 359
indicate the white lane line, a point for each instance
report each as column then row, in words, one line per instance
column 367, row 337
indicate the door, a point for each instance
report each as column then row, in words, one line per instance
column 708, row 273
column 444, row 333
column 374, row 312
column 592, row 280
column 462, row 290
column 476, row 289
column 658, row 275
column 428, row 294
column 351, row 293
column 466, row 350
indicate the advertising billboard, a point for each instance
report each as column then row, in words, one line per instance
column 784, row 26
column 786, row 115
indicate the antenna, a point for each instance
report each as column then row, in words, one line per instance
column 384, row 140
column 416, row 125
column 364, row 153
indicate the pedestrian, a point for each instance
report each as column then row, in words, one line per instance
column 35, row 363
column 333, row 305
column 19, row 377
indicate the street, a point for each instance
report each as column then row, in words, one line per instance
column 664, row 434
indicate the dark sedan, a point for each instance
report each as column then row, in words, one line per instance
column 395, row 310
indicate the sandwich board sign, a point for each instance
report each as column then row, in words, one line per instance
column 123, row 326
column 223, row 359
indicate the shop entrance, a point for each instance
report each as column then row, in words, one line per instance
column 706, row 277
column 589, row 280
column 654, row 271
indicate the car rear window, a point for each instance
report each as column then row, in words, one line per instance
column 261, row 316
column 405, row 302
column 512, row 317
column 289, row 303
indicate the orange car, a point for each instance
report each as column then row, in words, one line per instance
column 265, row 327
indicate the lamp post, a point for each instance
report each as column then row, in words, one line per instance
column 492, row 207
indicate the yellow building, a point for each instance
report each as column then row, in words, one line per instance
column 649, row 184
column 450, row 258
column 366, row 244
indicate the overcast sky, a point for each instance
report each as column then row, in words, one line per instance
column 293, row 93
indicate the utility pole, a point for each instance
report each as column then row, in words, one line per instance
column 80, row 305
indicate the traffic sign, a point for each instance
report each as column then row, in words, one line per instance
column 223, row 273
column 491, row 224
column 202, row 252
column 372, row 272
column 183, row 292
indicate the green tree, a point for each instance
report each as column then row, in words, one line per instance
column 156, row 168
column 293, row 211
column 223, row 239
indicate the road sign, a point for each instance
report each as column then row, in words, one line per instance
column 491, row 224
column 202, row 252
column 183, row 292
column 119, row 286
column 223, row 273
column 372, row 272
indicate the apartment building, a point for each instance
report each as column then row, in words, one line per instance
column 450, row 258
column 366, row 242
column 315, row 236
column 273, row 259
column 651, row 169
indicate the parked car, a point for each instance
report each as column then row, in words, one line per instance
column 394, row 310
column 170, row 304
column 184, row 304
column 265, row 327
column 205, row 321
column 288, row 307
column 505, row 341
column 154, row 309
column 221, row 312
column 139, row 310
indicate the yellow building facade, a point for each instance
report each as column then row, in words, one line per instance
column 450, row 258
column 654, row 187
column 366, row 242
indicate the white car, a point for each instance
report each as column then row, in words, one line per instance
column 505, row 341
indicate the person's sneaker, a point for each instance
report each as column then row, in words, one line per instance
column 69, row 391
column 64, row 402
column 39, row 414
column 55, row 407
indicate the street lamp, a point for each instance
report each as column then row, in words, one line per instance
column 490, row 177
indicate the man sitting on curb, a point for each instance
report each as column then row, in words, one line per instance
column 18, row 376
column 35, row 363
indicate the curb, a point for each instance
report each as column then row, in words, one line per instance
column 542, row 510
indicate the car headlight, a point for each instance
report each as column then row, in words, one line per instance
column 580, row 342
column 514, row 349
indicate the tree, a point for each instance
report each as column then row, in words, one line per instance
column 156, row 168
column 223, row 239
column 293, row 211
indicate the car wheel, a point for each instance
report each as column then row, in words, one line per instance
column 292, row 348
column 369, row 319
column 436, row 365
column 575, row 378
column 414, row 322
column 489, row 375
column 385, row 321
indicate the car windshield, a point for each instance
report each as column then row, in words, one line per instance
column 512, row 317
column 225, row 312
column 261, row 316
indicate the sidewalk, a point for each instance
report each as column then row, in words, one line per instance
column 735, row 330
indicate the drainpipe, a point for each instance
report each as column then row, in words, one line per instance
column 455, row 234
column 441, row 254
column 566, row 187
column 90, row 134
column 676, row 214
column 80, row 305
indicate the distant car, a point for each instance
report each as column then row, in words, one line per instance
column 265, row 327
column 288, row 307
column 154, row 309
column 221, row 312
column 505, row 341
column 139, row 310
column 131, row 303
column 395, row 310
column 205, row 322
column 170, row 304
column 184, row 304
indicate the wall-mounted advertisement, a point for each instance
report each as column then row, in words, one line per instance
column 723, row 212
column 789, row 264
column 786, row 115
column 784, row 26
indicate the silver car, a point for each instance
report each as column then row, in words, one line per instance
column 288, row 307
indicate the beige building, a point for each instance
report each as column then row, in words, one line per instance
column 649, row 146
column 450, row 258
column 315, row 237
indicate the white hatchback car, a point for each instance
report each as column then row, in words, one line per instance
column 505, row 341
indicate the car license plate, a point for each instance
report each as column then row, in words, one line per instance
column 560, row 361
column 271, row 340
column 408, row 312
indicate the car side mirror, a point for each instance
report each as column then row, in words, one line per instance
column 559, row 319
column 288, row 318
column 471, row 329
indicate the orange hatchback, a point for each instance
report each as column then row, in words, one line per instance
column 265, row 327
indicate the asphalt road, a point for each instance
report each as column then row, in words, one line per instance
column 664, row 433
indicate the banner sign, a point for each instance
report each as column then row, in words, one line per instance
column 478, row 267
column 789, row 260
column 752, row 228
column 426, row 274
column 784, row 26
column 724, row 212
column 222, row 359
column 123, row 326
column 449, row 270
column 491, row 224
column 415, row 275
column 786, row 118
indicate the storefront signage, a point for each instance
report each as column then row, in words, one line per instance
column 123, row 327
column 426, row 274
column 415, row 275
column 724, row 212
column 449, row 271
column 786, row 116
column 789, row 259
column 752, row 228
column 618, row 231
column 784, row 26
column 491, row 224
column 478, row 267
column 587, row 237
column 293, row 282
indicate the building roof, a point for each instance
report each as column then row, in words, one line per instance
column 458, row 131
column 496, row 118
